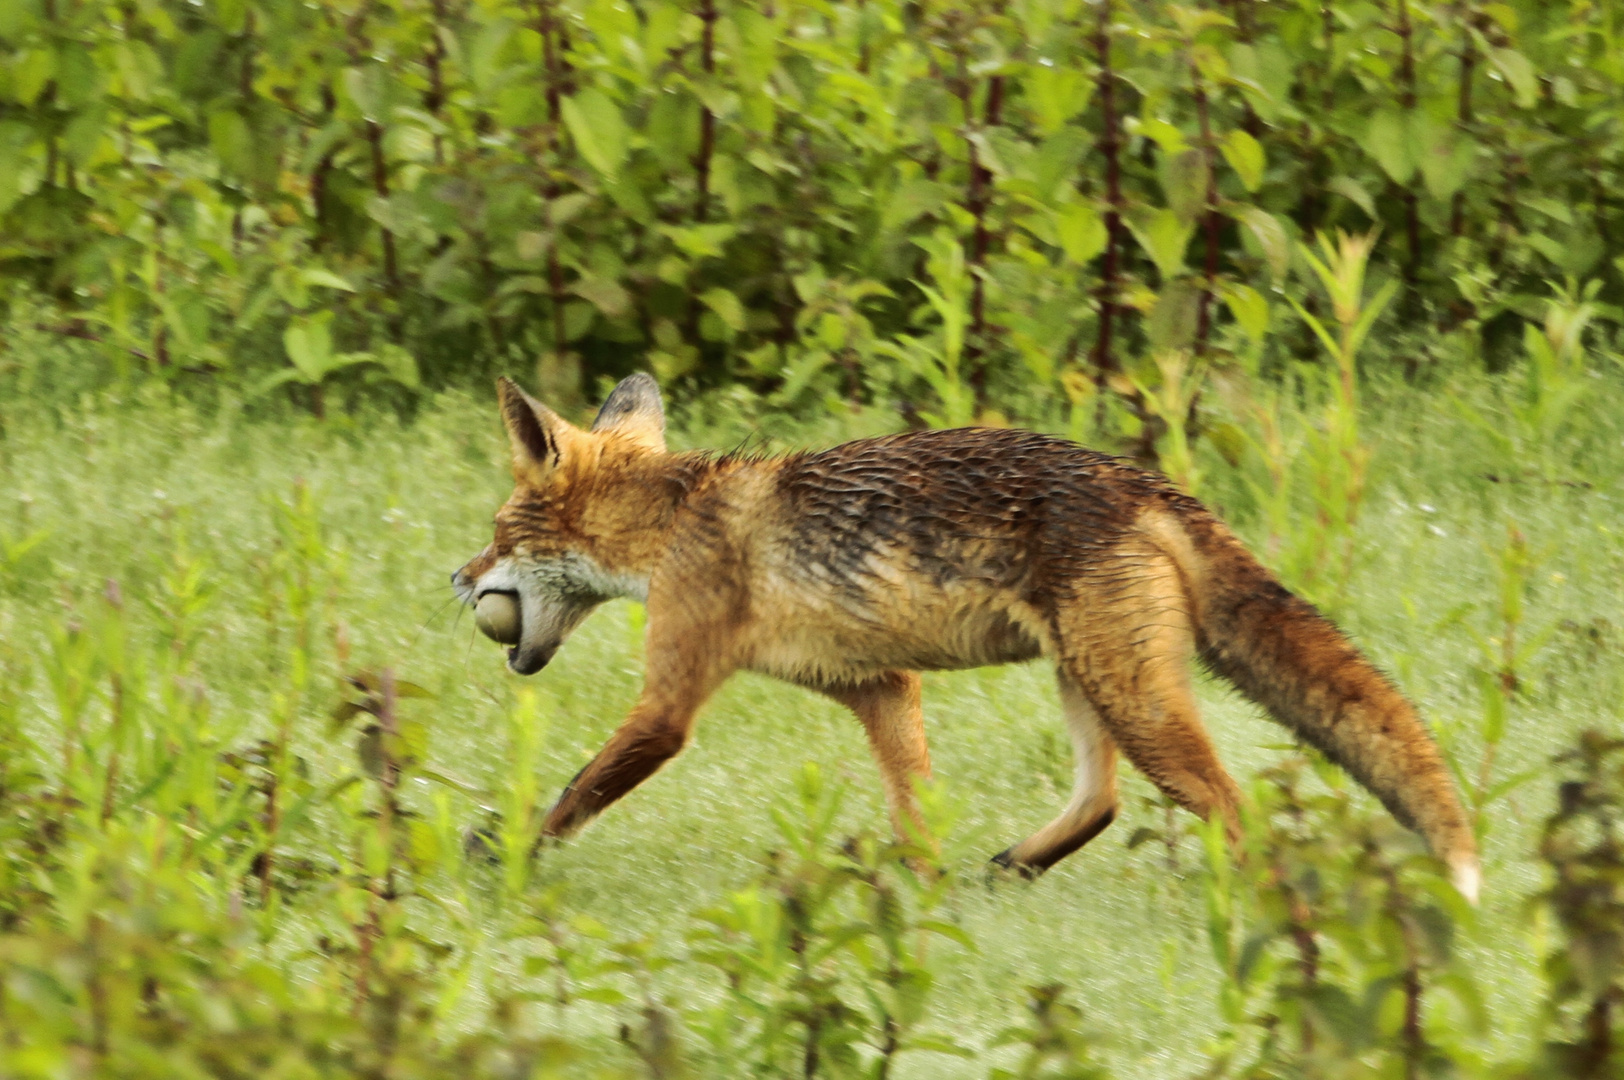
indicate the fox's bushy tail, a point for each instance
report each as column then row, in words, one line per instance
column 1283, row 654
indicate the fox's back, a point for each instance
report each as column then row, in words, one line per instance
column 990, row 505
column 932, row 549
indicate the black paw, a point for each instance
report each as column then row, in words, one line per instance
column 1006, row 865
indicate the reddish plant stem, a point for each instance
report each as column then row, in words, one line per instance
column 160, row 337
column 1598, row 1046
column 546, row 25
column 1407, row 101
column 1328, row 36
column 549, row 30
column 318, row 178
column 1110, row 145
column 977, row 199
column 434, row 97
column 1211, row 222
column 1414, row 1035
column 707, row 119
column 245, row 85
column 380, row 187
column 1463, row 119
column 863, row 47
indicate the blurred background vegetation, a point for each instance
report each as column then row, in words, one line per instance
column 948, row 209
column 1351, row 272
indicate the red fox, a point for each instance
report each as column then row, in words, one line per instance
column 850, row 570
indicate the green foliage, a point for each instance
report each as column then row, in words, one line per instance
column 1337, row 941
column 952, row 207
column 827, row 961
column 1585, row 854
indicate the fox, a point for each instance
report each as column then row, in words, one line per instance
column 851, row 570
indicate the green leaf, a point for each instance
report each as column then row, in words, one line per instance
column 316, row 275
column 1184, row 181
column 1354, row 192
column 726, row 305
column 1164, row 235
column 598, row 129
column 232, row 141
column 1056, row 93
column 1446, row 164
column 15, row 17
column 938, row 1044
column 30, row 71
column 1172, row 322
column 757, row 53
column 948, row 930
column 1270, row 235
column 1245, row 155
column 1168, row 138
column 1318, row 327
column 1519, row 74
column 1372, row 311
column 1081, row 232
column 700, row 241
column 1250, row 309
column 85, row 135
column 1387, row 139
column 15, row 139
column 402, row 367
column 603, row 293
column 910, row 200
column 366, row 89
column 275, row 379
column 309, row 344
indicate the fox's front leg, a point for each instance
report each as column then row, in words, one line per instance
column 676, row 685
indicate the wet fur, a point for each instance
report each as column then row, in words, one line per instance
column 851, row 569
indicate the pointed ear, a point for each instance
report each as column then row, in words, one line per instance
column 634, row 410
column 537, row 433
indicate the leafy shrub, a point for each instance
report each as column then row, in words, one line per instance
column 952, row 207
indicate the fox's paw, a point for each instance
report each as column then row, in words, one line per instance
column 1003, row 867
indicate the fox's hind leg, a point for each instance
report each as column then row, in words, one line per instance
column 1093, row 796
column 888, row 706
column 1128, row 643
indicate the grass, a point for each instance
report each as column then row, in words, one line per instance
column 119, row 486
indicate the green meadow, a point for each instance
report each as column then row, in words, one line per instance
column 190, row 587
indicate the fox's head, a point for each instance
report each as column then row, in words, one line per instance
column 577, row 529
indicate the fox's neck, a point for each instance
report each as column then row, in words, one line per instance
column 633, row 515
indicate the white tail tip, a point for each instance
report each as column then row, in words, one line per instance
column 1467, row 877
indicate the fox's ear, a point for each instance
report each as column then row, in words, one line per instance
column 634, row 410
column 537, row 433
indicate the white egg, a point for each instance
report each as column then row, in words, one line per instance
column 497, row 616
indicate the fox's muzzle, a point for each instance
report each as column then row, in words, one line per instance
column 511, row 610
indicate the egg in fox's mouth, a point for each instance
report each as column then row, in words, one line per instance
column 499, row 616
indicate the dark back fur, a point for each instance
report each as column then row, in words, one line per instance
column 999, row 506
